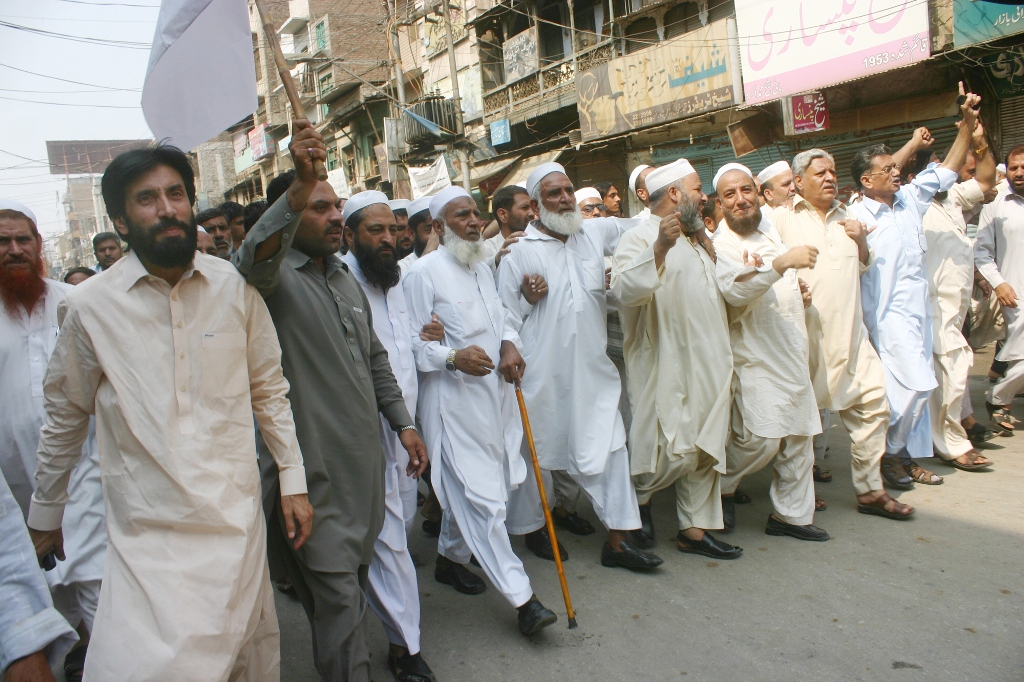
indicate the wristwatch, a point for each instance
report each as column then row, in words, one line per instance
column 449, row 362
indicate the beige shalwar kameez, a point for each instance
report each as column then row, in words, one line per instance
column 950, row 263
column 855, row 377
column 174, row 376
column 679, row 367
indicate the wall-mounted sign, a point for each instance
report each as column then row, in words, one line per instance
column 976, row 21
column 519, row 54
column 791, row 46
column 501, row 132
column 682, row 77
column 807, row 113
column 258, row 142
column 1005, row 72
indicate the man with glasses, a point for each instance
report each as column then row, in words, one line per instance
column 894, row 291
column 589, row 201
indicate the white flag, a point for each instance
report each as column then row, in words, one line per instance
column 201, row 77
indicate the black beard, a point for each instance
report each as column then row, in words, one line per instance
column 401, row 253
column 418, row 247
column 743, row 225
column 172, row 252
column 379, row 267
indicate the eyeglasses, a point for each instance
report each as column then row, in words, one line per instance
column 590, row 208
column 888, row 170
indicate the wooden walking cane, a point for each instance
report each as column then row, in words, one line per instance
column 528, row 433
column 286, row 76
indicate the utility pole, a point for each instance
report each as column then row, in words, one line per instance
column 401, row 174
column 454, row 69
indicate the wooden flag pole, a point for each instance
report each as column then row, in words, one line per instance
column 286, row 76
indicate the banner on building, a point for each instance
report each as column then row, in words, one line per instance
column 501, row 132
column 683, row 77
column 1005, row 72
column 337, row 180
column 471, row 90
column 429, row 179
column 976, row 21
column 519, row 53
column 788, row 47
column 258, row 142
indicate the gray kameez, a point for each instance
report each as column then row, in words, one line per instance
column 340, row 378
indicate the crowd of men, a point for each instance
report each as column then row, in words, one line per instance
column 374, row 341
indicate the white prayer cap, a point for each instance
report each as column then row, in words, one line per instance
column 417, row 205
column 399, row 204
column 200, row 228
column 8, row 205
column 635, row 175
column 361, row 200
column 730, row 167
column 1001, row 168
column 777, row 168
column 444, row 197
column 663, row 176
column 541, row 172
column 587, row 193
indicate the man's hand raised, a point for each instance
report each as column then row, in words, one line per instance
column 298, row 518
column 668, row 234
column 798, row 257
column 307, row 145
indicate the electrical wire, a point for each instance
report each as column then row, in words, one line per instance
column 78, row 39
column 65, row 80
column 108, row 4
column 69, row 104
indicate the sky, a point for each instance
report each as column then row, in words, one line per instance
column 68, row 111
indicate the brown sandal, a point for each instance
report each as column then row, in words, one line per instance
column 882, row 507
column 922, row 475
column 822, row 476
column 972, row 462
column 819, row 504
column 1001, row 419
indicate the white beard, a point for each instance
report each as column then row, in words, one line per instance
column 562, row 223
column 466, row 252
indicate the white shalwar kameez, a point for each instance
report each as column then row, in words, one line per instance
column 679, row 367
column 897, row 312
column 392, row 589
column 999, row 256
column 775, row 412
column 470, row 424
column 950, row 263
column 571, row 386
column 25, row 347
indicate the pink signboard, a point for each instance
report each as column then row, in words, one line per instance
column 810, row 112
column 792, row 46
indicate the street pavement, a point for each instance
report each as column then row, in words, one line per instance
column 936, row 598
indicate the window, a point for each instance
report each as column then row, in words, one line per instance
column 326, row 83
column 332, row 157
column 681, row 19
column 549, row 20
column 640, row 34
column 586, row 25
column 350, row 163
column 321, row 36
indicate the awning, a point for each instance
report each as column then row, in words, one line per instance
column 481, row 171
column 522, row 170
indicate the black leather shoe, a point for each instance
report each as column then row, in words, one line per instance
column 808, row 532
column 574, row 523
column 539, row 542
column 410, row 668
column 432, row 528
column 630, row 557
column 533, row 617
column 644, row 537
column 729, row 513
column 458, row 576
column 708, row 546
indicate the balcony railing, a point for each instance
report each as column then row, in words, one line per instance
column 527, row 96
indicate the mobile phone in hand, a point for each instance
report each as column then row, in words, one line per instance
column 49, row 561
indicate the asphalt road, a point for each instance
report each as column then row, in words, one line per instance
column 936, row 598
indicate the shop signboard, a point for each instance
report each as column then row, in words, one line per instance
column 258, row 142
column 806, row 113
column 501, row 132
column 1005, row 72
column 519, row 54
column 788, row 46
column 682, row 77
column 976, row 21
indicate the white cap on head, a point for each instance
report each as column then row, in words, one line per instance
column 663, row 176
column 1001, row 168
column 417, row 205
column 442, row 199
column 730, row 167
column 359, row 201
column 399, row 204
column 587, row 193
column 541, row 172
column 8, row 205
column 635, row 175
column 777, row 168
column 200, row 228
